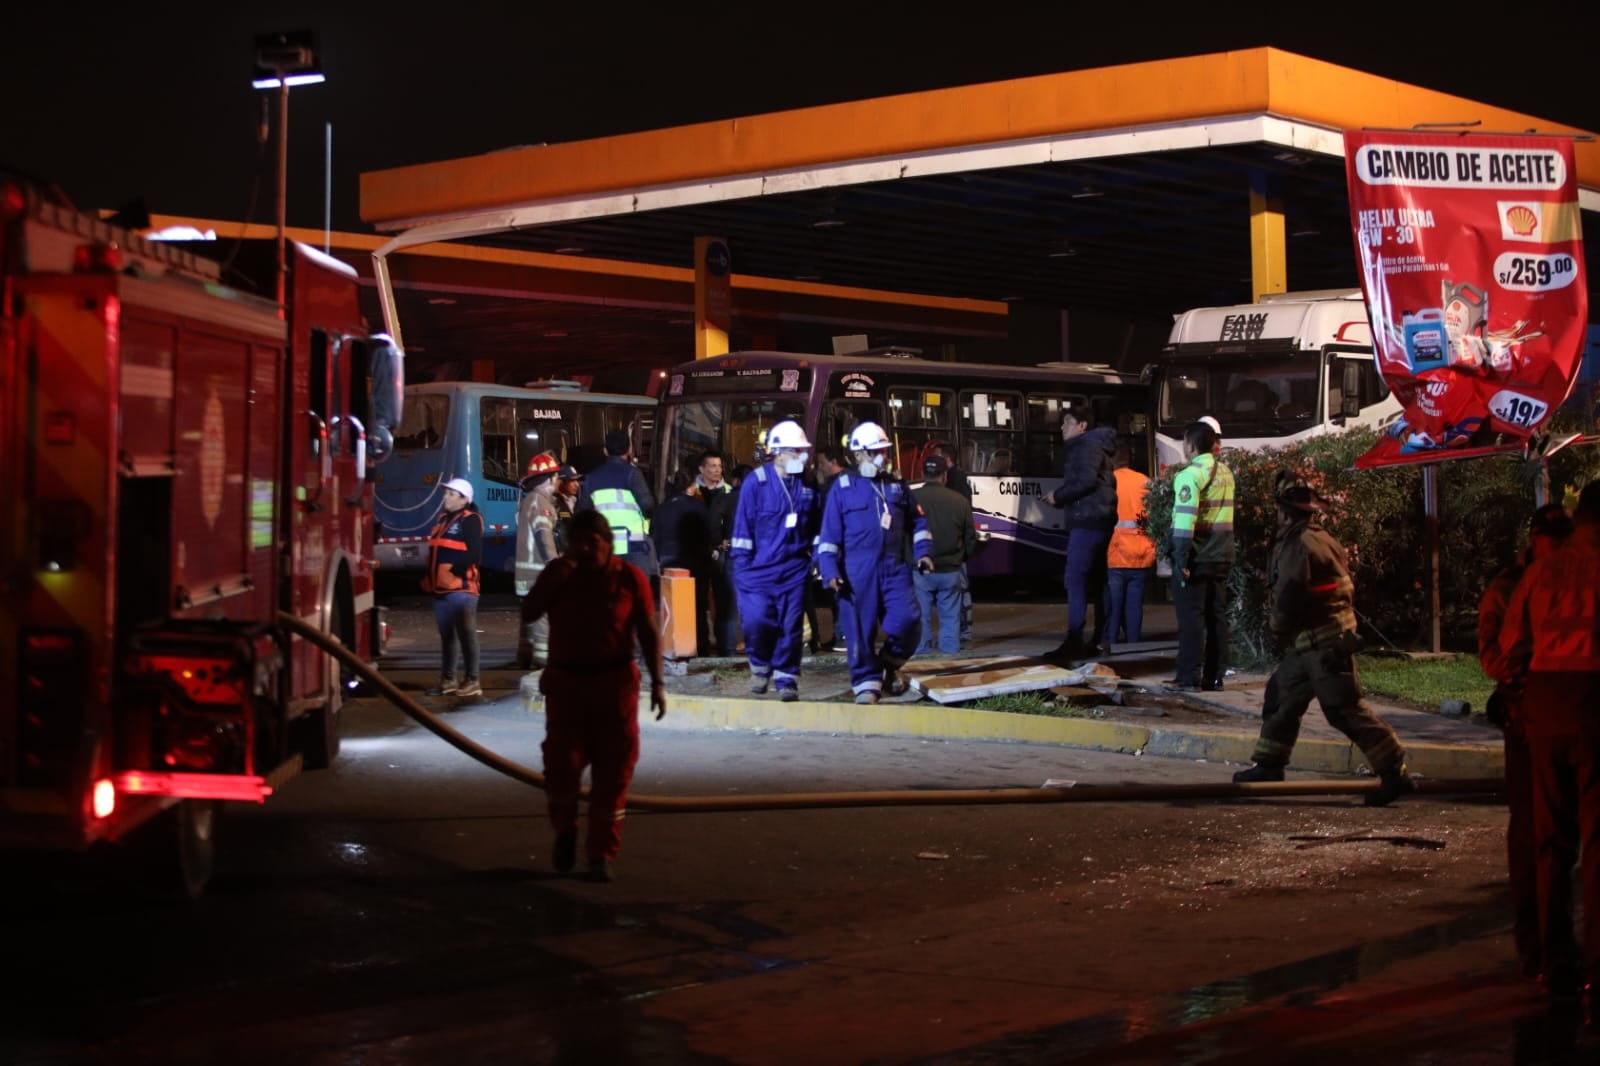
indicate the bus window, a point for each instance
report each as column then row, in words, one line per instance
column 696, row 428
column 745, row 432
column 1042, row 457
column 839, row 418
column 991, row 432
column 422, row 427
column 537, row 435
column 497, row 416
column 919, row 417
column 1355, row 370
column 642, row 421
column 1185, row 396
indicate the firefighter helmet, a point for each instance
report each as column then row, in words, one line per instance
column 787, row 436
column 1293, row 492
column 868, row 437
column 540, row 468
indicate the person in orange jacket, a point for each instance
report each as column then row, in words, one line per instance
column 1551, row 639
column 455, row 548
column 598, row 604
column 1549, row 526
column 1130, row 554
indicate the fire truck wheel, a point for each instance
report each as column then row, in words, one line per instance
column 197, row 845
column 176, row 853
column 319, row 730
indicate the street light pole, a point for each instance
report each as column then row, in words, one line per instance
column 283, row 190
column 282, row 60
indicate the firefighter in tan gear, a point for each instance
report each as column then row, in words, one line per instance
column 1314, row 624
column 536, row 547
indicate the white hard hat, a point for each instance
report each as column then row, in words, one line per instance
column 868, row 437
column 1216, row 427
column 787, row 436
column 461, row 485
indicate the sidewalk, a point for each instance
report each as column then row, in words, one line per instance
column 1216, row 727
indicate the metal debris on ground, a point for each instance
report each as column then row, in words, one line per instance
column 959, row 680
column 1360, row 838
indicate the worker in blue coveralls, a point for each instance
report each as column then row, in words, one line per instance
column 871, row 525
column 774, row 527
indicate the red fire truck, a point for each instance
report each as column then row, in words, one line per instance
column 179, row 462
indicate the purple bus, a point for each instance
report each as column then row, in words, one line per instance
column 1002, row 423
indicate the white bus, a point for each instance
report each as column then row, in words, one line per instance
column 1295, row 365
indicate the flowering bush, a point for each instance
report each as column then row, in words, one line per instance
column 1378, row 516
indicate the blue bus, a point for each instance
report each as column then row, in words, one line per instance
column 487, row 433
column 1003, row 423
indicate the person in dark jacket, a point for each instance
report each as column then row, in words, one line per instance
column 955, row 539
column 955, row 479
column 684, row 537
column 717, row 603
column 825, row 468
column 455, row 548
column 1088, row 495
column 619, row 490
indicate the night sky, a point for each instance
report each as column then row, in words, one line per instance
column 159, row 106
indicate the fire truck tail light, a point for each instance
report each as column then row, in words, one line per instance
column 96, row 258
column 105, row 798
column 13, row 201
column 246, row 788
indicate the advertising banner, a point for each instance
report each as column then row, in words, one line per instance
column 1471, row 254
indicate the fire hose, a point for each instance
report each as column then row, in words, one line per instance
column 889, row 798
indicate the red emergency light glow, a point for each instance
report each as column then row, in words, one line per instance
column 104, row 800
column 13, row 201
column 194, row 786
column 96, row 258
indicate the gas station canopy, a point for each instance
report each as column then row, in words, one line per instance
column 1124, row 194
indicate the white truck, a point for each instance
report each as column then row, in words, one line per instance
column 1295, row 365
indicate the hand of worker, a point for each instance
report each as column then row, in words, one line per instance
column 658, row 698
column 925, row 565
column 835, row 583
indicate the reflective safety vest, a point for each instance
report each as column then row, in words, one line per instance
column 1202, row 509
column 1131, row 548
column 622, row 511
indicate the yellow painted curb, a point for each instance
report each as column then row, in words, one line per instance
column 933, row 721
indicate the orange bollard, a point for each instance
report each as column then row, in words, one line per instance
column 678, row 637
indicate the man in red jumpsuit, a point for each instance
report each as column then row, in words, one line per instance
column 1551, row 638
column 598, row 605
column 1549, row 527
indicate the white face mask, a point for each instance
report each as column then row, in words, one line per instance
column 794, row 462
column 871, row 464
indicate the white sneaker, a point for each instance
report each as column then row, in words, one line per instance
column 470, row 687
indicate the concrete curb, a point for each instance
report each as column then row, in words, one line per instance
column 935, row 722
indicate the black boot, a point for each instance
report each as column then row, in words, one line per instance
column 1392, row 784
column 565, row 854
column 1258, row 772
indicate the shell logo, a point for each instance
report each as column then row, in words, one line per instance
column 212, row 459
column 1522, row 221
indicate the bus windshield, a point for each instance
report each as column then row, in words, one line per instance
column 1253, row 396
column 423, row 424
column 736, row 428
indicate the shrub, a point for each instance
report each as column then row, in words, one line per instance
column 1378, row 516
